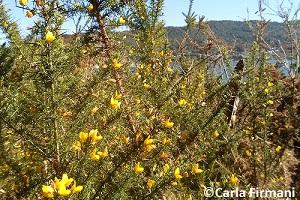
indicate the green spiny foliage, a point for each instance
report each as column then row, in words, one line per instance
column 93, row 116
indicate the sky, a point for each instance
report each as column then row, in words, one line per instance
column 239, row 10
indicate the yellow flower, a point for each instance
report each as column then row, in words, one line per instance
column 147, row 86
column 77, row 146
column 76, row 189
column 93, row 135
column 150, row 183
column 177, row 174
column 137, row 100
column 166, row 168
column 278, row 149
column 233, row 180
column 122, row 21
column 182, row 102
column 47, row 191
column 116, row 64
column 23, row 2
column 138, row 169
column 56, row 183
column 270, row 84
column 137, row 114
column 148, row 141
column 65, row 180
column 5, row 24
column 266, row 91
column 270, row 102
column 216, row 134
column 103, row 153
column 83, row 136
column 63, row 191
column 150, row 147
column 114, row 103
column 94, row 156
column 168, row 123
column 63, row 184
column 29, row 14
column 148, row 144
column 49, row 37
column 248, row 153
column 166, row 141
column 90, row 7
column 195, row 169
column 183, row 86
column 125, row 139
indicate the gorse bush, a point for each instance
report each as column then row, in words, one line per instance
column 110, row 114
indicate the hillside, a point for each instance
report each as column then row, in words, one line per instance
column 237, row 33
column 233, row 31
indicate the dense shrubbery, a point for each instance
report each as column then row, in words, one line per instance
column 97, row 118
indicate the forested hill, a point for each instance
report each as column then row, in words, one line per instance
column 238, row 34
column 234, row 31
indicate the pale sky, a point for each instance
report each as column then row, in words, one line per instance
column 212, row 10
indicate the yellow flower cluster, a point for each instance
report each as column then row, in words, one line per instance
column 49, row 37
column 182, row 102
column 23, row 2
column 147, row 86
column 196, row 169
column 5, row 24
column 168, row 124
column 277, row 180
column 150, row 183
column 122, row 21
column 97, row 155
column 63, row 187
column 248, row 153
column 115, row 103
column 270, row 102
column 278, row 149
column 233, row 179
column 216, row 134
column 166, row 169
column 92, row 137
column 138, row 168
column 166, row 141
column 90, row 8
column 116, row 63
column 177, row 174
column 149, row 144
column 269, row 86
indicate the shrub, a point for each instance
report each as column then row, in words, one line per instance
column 110, row 114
